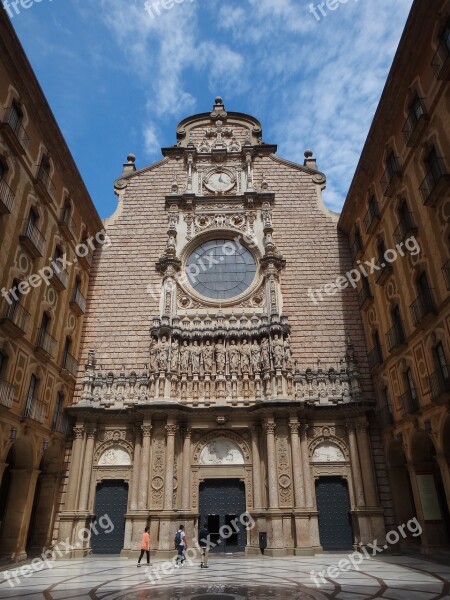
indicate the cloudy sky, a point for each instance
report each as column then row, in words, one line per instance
column 119, row 76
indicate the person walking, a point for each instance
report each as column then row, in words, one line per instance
column 203, row 542
column 180, row 546
column 145, row 547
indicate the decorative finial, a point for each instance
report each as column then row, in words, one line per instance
column 219, row 100
column 309, row 153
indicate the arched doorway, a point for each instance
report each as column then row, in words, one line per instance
column 111, row 499
column 333, row 505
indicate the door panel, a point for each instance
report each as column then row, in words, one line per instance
column 333, row 504
column 111, row 499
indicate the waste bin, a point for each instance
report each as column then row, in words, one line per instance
column 262, row 541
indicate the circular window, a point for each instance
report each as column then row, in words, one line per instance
column 220, row 269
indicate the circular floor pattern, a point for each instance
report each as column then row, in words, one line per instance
column 219, row 592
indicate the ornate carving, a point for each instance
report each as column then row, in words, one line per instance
column 221, row 452
column 78, row 432
column 157, row 493
column 228, row 437
column 146, row 430
column 171, row 429
column 269, row 427
column 115, row 456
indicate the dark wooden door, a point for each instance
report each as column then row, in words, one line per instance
column 111, row 499
column 333, row 504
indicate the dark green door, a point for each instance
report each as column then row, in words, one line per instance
column 110, row 501
column 333, row 504
column 222, row 502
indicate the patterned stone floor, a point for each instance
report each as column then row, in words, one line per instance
column 229, row 578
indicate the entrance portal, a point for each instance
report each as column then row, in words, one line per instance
column 333, row 504
column 221, row 502
column 111, row 499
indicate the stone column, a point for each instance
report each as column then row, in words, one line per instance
column 74, row 471
column 171, row 429
column 87, row 470
column 356, row 466
column 306, row 468
column 367, row 464
column 299, row 487
column 145, row 466
column 185, row 496
column 256, row 463
column 269, row 426
column 136, row 470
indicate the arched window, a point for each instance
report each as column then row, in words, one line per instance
column 58, row 412
column 31, row 395
column 410, row 397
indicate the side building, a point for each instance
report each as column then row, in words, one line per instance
column 397, row 215
column 48, row 231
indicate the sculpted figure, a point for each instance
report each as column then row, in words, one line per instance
column 208, row 357
column 265, row 354
column 288, row 353
column 234, row 356
column 162, row 355
column 256, row 357
column 220, row 357
column 278, row 352
column 245, row 356
column 196, row 353
column 184, row 357
column 153, row 353
column 175, row 358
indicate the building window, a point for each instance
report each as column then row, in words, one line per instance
column 357, row 247
column 59, row 404
column 396, row 335
column 410, row 398
column 424, row 303
column 417, row 109
column 441, row 361
column 2, row 170
column 15, row 117
column 32, row 389
column 406, row 224
column 3, row 362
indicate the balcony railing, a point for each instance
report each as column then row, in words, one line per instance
column 16, row 133
column 78, row 302
column 390, row 177
column 67, row 224
column 395, row 337
column 446, row 272
column 60, row 279
column 35, row 410
column 357, row 248
column 435, row 184
column 44, row 181
column 410, row 402
column 6, row 197
column 70, row 364
column 85, row 261
column 440, row 383
column 60, row 423
column 15, row 319
column 422, row 306
column 372, row 217
column 365, row 295
column 7, row 391
column 385, row 417
column 32, row 239
column 414, row 125
column 441, row 61
column 405, row 227
column 375, row 358
column 46, row 343
column 383, row 273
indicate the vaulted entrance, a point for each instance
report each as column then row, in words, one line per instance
column 111, row 500
column 222, row 502
column 333, row 504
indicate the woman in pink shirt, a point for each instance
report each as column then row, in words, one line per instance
column 145, row 546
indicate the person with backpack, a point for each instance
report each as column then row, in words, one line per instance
column 180, row 546
column 145, row 546
column 203, row 542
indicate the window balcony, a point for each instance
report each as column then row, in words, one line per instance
column 372, row 217
column 35, row 410
column 414, row 126
column 60, row 279
column 410, row 402
column 6, row 198
column 391, row 177
column 70, row 364
column 440, row 384
column 14, row 319
column 405, row 228
column 441, row 61
column 45, row 344
column 60, row 424
column 436, row 184
column 384, row 272
column 7, row 391
column 14, row 132
column 67, row 225
column 32, row 239
column 357, row 249
column 446, row 273
column 395, row 337
column 385, row 417
column 78, row 303
column 365, row 296
column 375, row 358
column 422, row 306
column 44, row 184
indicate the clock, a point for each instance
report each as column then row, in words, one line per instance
column 220, row 181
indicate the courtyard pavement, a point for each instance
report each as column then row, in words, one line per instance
column 230, row 578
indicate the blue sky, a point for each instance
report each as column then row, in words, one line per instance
column 120, row 79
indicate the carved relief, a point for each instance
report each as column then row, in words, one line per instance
column 227, row 445
column 157, row 483
column 114, row 456
column 284, row 473
column 328, row 449
column 221, row 452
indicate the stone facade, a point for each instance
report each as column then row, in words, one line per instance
column 399, row 202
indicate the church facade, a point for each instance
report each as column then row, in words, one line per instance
column 214, row 383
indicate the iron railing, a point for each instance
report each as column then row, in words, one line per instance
column 440, row 382
column 16, row 314
column 46, row 342
column 35, row 409
column 422, row 306
column 432, row 179
column 392, row 173
column 6, row 196
column 406, row 226
column 7, row 391
column 32, row 233
column 395, row 337
column 70, row 364
column 13, row 120
column 410, row 402
column 375, row 358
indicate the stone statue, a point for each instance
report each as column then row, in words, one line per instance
column 153, row 353
column 220, row 357
column 265, row 354
column 162, row 354
column 278, row 352
column 233, row 354
column 288, row 353
column 245, row 356
column 184, row 357
column 208, row 357
column 175, row 358
column 196, row 353
column 256, row 357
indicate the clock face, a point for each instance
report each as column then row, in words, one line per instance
column 220, row 181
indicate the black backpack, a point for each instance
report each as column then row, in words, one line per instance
column 178, row 538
